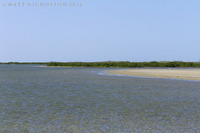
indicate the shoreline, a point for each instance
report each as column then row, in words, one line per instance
column 183, row 74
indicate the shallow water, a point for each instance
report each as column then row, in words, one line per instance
column 37, row 99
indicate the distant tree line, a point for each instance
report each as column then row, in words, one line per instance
column 125, row 64
column 114, row 64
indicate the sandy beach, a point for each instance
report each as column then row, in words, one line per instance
column 186, row 74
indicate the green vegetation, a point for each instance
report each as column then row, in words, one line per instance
column 118, row 64
column 125, row 64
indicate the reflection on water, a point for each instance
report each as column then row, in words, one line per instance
column 40, row 99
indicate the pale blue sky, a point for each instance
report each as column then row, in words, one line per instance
column 102, row 30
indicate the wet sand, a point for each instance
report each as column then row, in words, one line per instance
column 185, row 74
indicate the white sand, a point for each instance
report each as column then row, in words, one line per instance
column 187, row 74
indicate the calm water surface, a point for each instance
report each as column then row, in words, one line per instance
column 37, row 99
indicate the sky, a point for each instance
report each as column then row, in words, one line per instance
column 100, row 30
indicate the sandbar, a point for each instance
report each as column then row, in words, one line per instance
column 185, row 74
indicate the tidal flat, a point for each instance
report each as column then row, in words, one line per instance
column 168, row 73
column 37, row 99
